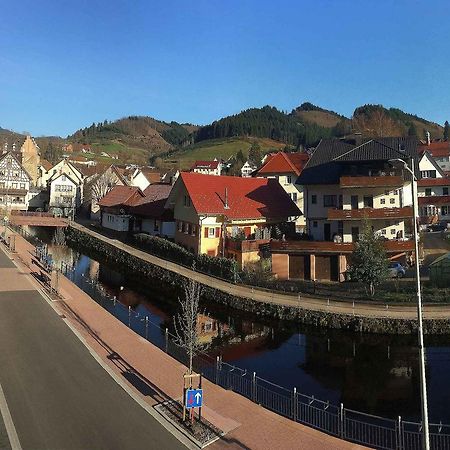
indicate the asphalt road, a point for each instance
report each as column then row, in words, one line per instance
column 58, row 395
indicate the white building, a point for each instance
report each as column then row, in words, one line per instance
column 65, row 195
column 207, row 167
column 143, row 177
column 247, row 169
column 14, row 183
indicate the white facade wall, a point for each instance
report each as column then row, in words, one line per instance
column 64, row 193
column 13, row 177
column 316, row 213
column 140, row 181
column 157, row 227
column 427, row 168
column 115, row 222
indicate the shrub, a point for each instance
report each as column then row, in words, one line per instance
column 213, row 265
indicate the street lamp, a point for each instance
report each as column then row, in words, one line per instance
column 423, row 384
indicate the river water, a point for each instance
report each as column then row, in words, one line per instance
column 372, row 373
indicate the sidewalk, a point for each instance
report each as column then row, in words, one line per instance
column 355, row 309
column 156, row 377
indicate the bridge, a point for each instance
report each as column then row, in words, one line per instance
column 36, row 219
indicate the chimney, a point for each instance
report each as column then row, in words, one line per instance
column 428, row 138
column 226, row 199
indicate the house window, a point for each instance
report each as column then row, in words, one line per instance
column 180, row 224
column 289, row 179
column 211, row 232
column 392, row 230
column 63, row 178
column 428, row 174
column 382, row 201
column 313, row 199
column 368, row 201
column 392, row 201
column 428, row 191
column 189, row 229
column 194, row 230
column 294, row 197
column 14, row 185
column 445, row 191
column 329, row 201
column 383, row 231
column 444, row 210
column 315, row 224
column 156, row 226
column 396, row 192
column 22, row 185
column 187, row 200
column 183, row 227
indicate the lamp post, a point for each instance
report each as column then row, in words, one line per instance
column 423, row 383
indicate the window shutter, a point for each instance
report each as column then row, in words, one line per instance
column 217, row 232
column 206, row 232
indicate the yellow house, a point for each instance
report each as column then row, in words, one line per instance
column 214, row 215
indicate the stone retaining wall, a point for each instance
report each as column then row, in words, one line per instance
column 134, row 265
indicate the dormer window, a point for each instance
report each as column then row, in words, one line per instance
column 63, row 178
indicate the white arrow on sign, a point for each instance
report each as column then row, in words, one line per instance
column 198, row 397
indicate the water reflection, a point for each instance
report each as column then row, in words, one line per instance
column 377, row 374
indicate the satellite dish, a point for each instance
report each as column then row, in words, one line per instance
column 121, row 211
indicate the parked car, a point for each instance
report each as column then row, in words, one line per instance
column 440, row 226
column 396, row 270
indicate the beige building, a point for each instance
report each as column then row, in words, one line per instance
column 31, row 158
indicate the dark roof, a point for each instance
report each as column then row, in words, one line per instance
column 152, row 205
column 121, row 195
column 326, row 162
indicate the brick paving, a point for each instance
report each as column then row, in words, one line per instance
column 156, row 377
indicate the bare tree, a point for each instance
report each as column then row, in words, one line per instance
column 102, row 184
column 59, row 237
column 185, row 322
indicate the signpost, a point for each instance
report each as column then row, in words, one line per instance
column 192, row 396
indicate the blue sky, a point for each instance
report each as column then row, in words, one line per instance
column 66, row 64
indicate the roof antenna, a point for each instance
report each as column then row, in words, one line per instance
column 226, row 199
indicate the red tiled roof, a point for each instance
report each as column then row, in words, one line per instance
column 46, row 164
column 152, row 205
column 210, row 165
column 122, row 195
column 77, row 158
column 284, row 163
column 434, row 200
column 436, row 149
column 248, row 198
column 444, row 181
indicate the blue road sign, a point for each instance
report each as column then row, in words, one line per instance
column 194, row 398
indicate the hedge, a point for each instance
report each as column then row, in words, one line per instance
column 212, row 265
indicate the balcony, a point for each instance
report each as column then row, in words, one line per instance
column 387, row 181
column 370, row 213
column 245, row 245
column 317, row 247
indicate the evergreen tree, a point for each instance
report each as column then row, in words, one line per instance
column 52, row 153
column 412, row 130
column 446, row 130
column 254, row 154
column 369, row 262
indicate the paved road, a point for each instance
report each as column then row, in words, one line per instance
column 58, row 395
column 358, row 309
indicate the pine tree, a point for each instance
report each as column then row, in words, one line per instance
column 446, row 130
column 254, row 154
column 412, row 130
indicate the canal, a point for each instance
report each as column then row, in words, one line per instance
column 376, row 374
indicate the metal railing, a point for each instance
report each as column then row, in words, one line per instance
column 336, row 420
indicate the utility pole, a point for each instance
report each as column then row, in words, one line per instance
column 423, row 380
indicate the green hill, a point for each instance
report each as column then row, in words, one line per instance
column 220, row 149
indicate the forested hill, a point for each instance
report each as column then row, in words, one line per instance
column 266, row 122
column 137, row 132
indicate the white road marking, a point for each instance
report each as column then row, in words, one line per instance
column 9, row 424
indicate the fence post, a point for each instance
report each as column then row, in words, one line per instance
column 254, row 387
column 167, row 339
column 399, row 434
column 146, row 328
column 294, row 405
column 129, row 316
column 217, row 369
column 341, row 417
